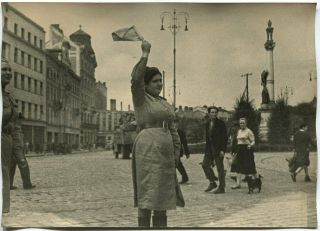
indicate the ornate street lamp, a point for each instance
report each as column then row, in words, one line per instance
column 174, row 27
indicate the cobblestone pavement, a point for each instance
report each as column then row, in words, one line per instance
column 95, row 190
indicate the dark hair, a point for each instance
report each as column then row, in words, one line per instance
column 150, row 73
column 303, row 125
column 213, row 107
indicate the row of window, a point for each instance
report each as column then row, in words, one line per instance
column 26, row 36
column 54, row 76
column 27, row 83
column 69, row 120
column 30, row 110
column 27, row 60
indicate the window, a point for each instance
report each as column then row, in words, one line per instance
column 29, row 61
column 6, row 22
column 40, row 44
column 5, row 50
column 35, row 86
column 22, row 33
column 15, row 28
column 29, row 37
column 15, row 79
column 36, row 111
column 41, row 66
column 29, row 110
column 15, row 54
column 29, row 84
column 22, row 82
column 41, row 109
column 41, row 88
column 22, row 58
column 35, row 40
column 35, row 64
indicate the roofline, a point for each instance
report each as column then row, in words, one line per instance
column 23, row 16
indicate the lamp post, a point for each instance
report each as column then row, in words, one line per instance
column 174, row 27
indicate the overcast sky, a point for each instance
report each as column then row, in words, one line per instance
column 223, row 42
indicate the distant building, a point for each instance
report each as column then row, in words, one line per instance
column 23, row 46
column 85, row 67
column 63, row 91
column 101, row 107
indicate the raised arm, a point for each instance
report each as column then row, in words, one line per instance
column 137, row 75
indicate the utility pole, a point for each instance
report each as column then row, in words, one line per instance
column 247, row 84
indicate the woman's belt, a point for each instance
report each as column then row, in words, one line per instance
column 160, row 124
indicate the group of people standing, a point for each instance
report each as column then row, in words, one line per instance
column 160, row 144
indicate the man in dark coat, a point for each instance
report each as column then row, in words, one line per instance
column 183, row 150
column 216, row 144
column 300, row 160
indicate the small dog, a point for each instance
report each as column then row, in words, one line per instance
column 254, row 183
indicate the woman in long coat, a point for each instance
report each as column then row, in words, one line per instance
column 11, row 135
column 156, row 150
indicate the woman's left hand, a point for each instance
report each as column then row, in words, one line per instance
column 249, row 146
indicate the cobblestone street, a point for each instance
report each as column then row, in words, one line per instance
column 95, row 190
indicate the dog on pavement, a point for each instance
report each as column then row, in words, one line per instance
column 254, row 183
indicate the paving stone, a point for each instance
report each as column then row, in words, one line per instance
column 95, row 190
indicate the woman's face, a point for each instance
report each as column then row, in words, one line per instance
column 154, row 87
column 6, row 74
column 243, row 123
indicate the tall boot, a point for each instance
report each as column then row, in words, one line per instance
column 159, row 221
column 25, row 176
column 144, row 221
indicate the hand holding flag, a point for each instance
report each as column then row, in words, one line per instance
column 127, row 34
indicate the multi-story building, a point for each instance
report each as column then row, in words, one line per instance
column 23, row 46
column 85, row 66
column 63, row 91
column 101, row 116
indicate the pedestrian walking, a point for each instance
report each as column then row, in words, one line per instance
column 244, row 160
column 183, row 150
column 156, row 150
column 216, row 145
column 19, row 158
column 10, row 134
column 301, row 145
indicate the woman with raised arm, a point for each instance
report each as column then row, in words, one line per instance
column 156, row 150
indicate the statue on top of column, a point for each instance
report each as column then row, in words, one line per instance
column 265, row 93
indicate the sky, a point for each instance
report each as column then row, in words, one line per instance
column 223, row 42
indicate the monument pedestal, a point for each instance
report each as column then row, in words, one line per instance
column 265, row 112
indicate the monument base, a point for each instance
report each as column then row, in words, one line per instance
column 265, row 112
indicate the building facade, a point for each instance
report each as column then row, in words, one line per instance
column 23, row 46
column 101, row 118
column 85, row 65
column 63, row 91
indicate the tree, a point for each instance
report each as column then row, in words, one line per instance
column 279, row 124
column 246, row 109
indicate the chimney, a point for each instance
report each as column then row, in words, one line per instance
column 113, row 105
column 186, row 108
column 180, row 108
column 121, row 106
column 129, row 107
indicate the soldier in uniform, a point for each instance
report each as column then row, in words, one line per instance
column 11, row 141
column 19, row 158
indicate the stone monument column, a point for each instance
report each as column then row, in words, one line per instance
column 269, row 46
column 268, row 102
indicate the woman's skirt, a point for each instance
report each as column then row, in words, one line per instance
column 244, row 160
column 153, row 170
column 302, row 159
